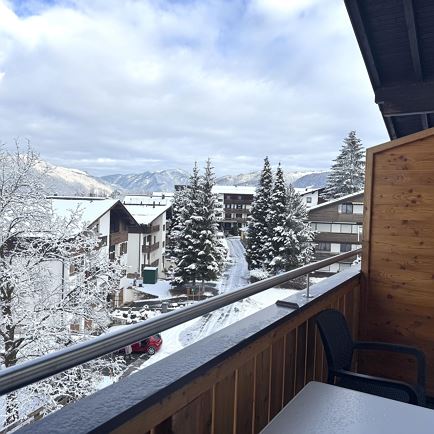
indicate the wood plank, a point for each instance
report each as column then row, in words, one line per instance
column 277, row 366
column 319, row 354
column 310, row 350
column 164, row 427
column 194, row 417
column 244, row 397
column 223, row 405
column 404, row 177
column 300, row 367
column 289, row 378
column 262, row 389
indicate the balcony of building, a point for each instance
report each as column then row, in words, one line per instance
column 148, row 248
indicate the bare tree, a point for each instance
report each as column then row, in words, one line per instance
column 52, row 275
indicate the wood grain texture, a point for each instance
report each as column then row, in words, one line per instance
column 276, row 382
column 262, row 390
column 223, row 405
column 244, row 397
column 194, row 417
column 398, row 257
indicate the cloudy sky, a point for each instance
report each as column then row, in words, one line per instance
column 112, row 86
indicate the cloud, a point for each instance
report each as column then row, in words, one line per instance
column 110, row 86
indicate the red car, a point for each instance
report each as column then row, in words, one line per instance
column 148, row 345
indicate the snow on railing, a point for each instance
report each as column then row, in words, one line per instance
column 29, row 372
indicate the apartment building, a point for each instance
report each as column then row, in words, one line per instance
column 339, row 228
column 147, row 246
column 234, row 205
column 311, row 196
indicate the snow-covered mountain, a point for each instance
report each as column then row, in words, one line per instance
column 163, row 180
column 64, row 181
column 312, row 180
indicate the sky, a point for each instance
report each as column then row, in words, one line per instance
column 112, row 86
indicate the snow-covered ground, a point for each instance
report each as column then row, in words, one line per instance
column 235, row 276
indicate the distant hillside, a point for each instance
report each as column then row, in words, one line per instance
column 163, row 180
column 64, row 181
column 313, row 180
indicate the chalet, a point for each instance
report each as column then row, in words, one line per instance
column 338, row 226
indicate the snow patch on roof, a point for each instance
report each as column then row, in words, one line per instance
column 233, row 189
column 146, row 214
column 340, row 199
column 90, row 210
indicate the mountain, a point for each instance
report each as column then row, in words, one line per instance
column 312, row 180
column 71, row 182
column 252, row 178
column 163, row 180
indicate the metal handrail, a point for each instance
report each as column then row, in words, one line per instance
column 16, row 377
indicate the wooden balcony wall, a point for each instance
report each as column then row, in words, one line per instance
column 146, row 248
column 118, row 237
column 398, row 253
column 243, row 392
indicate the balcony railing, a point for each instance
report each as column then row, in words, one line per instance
column 150, row 248
column 240, row 376
column 151, row 229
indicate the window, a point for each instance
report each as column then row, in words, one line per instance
column 324, row 247
column 309, row 200
column 323, row 227
column 239, row 216
column 123, row 248
column 346, row 208
column 345, row 247
column 239, row 206
column 346, row 229
column 163, row 243
column 114, row 226
column 164, row 227
column 227, row 216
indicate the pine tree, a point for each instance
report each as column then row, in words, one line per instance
column 258, row 241
column 348, row 172
column 297, row 236
column 188, row 244
column 176, row 223
column 276, row 222
column 210, row 256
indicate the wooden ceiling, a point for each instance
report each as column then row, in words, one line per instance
column 396, row 38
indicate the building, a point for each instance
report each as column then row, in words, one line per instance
column 339, row 228
column 234, row 205
column 147, row 246
column 311, row 196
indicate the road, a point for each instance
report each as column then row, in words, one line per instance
column 235, row 276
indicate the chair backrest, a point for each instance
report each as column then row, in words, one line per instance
column 336, row 338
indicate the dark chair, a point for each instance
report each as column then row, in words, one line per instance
column 339, row 348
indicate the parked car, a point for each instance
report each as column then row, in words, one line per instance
column 148, row 345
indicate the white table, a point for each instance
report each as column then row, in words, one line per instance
column 322, row 408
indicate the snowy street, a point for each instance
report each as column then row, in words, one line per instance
column 235, row 276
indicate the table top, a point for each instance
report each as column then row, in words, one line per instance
column 323, row 408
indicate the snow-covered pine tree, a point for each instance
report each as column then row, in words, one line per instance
column 188, row 244
column 35, row 309
column 258, row 240
column 348, row 171
column 297, row 235
column 176, row 222
column 276, row 221
column 211, row 254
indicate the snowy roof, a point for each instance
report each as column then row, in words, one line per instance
column 146, row 214
column 339, row 199
column 306, row 190
column 91, row 209
column 233, row 189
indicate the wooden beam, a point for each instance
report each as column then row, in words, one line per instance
column 412, row 37
column 390, row 127
column 363, row 40
column 406, row 99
